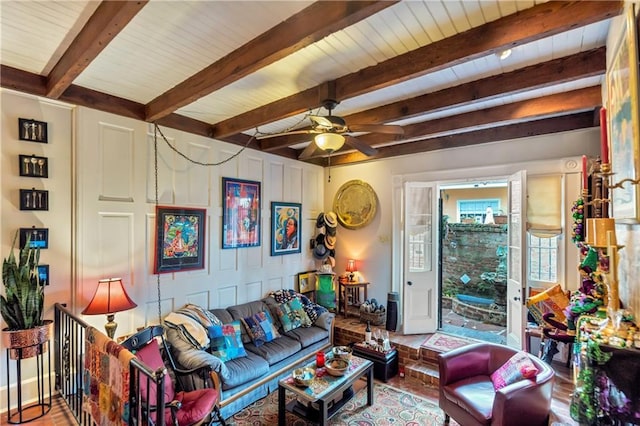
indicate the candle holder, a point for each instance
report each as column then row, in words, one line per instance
column 606, row 173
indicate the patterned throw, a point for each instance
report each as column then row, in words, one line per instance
column 391, row 407
column 106, row 376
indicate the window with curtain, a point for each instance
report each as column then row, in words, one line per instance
column 544, row 225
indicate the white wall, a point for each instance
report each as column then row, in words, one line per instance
column 57, row 219
column 116, row 215
column 102, row 213
column 372, row 245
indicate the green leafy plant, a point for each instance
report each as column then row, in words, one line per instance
column 22, row 306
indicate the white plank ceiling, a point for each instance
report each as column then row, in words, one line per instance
column 167, row 42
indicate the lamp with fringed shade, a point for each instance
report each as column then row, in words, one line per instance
column 110, row 297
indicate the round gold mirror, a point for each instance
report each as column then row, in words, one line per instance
column 355, row 204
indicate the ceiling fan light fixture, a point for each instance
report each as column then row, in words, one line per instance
column 329, row 141
column 504, row 54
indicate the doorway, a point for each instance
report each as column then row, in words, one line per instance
column 472, row 258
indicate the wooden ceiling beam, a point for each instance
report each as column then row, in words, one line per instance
column 103, row 26
column 300, row 30
column 565, row 123
column 562, row 70
column 562, row 104
column 523, row 27
column 22, row 81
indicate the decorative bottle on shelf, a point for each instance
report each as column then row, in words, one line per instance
column 367, row 333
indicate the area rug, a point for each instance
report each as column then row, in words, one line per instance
column 444, row 342
column 391, row 406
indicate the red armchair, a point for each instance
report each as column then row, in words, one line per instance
column 467, row 393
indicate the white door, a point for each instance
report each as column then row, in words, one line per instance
column 420, row 288
column 516, row 265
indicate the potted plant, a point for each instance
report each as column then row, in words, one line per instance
column 22, row 305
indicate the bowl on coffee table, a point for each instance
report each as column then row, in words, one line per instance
column 336, row 366
column 343, row 352
column 303, row 376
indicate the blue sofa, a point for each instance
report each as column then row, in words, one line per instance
column 247, row 379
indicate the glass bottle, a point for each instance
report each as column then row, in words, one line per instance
column 367, row 333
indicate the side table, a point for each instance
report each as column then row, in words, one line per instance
column 349, row 295
column 42, row 403
column 385, row 364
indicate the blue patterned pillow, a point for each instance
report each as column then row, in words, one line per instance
column 226, row 341
column 292, row 315
column 260, row 328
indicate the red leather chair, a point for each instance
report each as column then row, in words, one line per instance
column 467, row 393
column 181, row 408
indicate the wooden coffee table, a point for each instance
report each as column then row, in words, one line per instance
column 323, row 390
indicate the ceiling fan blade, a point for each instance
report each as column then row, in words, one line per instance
column 377, row 128
column 360, row 146
column 308, row 151
column 329, row 122
column 293, row 132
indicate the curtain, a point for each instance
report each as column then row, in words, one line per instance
column 544, row 205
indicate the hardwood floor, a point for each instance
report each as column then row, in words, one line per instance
column 60, row 415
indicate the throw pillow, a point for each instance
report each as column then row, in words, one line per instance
column 292, row 315
column 518, row 367
column 260, row 328
column 226, row 342
column 551, row 300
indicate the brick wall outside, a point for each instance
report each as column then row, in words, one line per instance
column 470, row 249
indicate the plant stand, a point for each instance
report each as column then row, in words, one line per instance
column 42, row 406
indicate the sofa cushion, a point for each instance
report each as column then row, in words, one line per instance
column 308, row 336
column 243, row 370
column 292, row 315
column 260, row 328
column 238, row 312
column 226, row 342
column 223, row 315
column 276, row 350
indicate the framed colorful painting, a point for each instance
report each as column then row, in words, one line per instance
column 623, row 122
column 285, row 229
column 179, row 239
column 240, row 213
column 307, row 284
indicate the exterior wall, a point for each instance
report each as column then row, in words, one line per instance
column 470, row 250
column 450, row 198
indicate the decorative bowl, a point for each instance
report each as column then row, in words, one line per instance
column 303, row 376
column 343, row 352
column 337, row 366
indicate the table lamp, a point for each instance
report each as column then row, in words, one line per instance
column 110, row 297
column 351, row 269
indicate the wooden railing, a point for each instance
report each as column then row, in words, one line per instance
column 71, row 376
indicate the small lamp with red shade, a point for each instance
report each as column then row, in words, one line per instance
column 110, row 297
column 351, row 269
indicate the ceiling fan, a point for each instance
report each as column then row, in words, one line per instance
column 332, row 132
